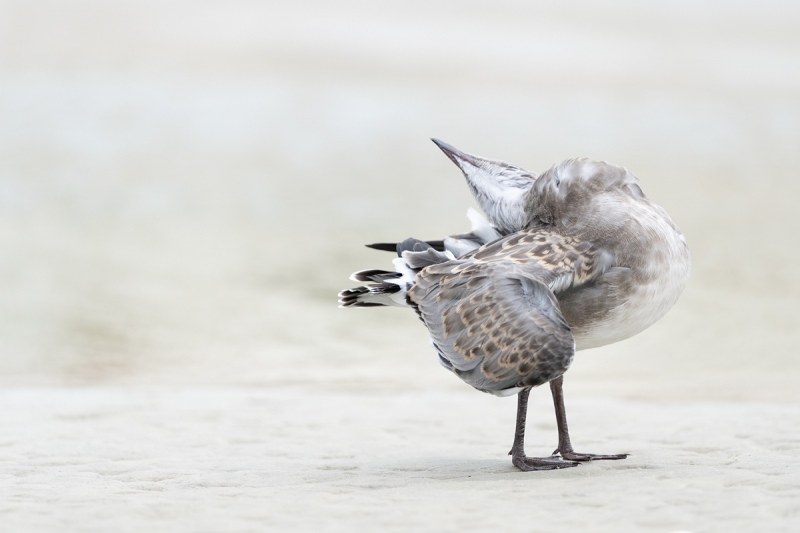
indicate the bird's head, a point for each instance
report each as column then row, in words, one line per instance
column 582, row 191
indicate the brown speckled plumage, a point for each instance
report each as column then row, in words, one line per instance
column 492, row 314
column 575, row 258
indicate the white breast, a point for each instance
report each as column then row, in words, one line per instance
column 667, row 271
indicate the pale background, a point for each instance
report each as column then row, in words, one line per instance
column 184, row 187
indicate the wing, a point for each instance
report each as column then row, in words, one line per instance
column 497, row 330
column 493, row 316
column 482, row 232
column 561, row 262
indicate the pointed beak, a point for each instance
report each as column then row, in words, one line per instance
column 457, row 156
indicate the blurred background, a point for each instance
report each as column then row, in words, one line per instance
column 185, row 186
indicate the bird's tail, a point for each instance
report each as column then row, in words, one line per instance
column 389, row 288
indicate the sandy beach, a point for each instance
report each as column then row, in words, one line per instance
column 185, row 187
column 253, row 460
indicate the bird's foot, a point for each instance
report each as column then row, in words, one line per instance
column 529, row 464
column 571, row 455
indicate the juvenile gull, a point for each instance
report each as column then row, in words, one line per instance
column 573, row 259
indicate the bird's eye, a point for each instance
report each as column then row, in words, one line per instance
column 558, row 183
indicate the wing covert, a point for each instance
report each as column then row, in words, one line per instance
column 496, row 329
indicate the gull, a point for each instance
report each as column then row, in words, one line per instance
column 575, row 258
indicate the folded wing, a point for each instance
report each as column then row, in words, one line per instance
column 497, row 332
column 493, row 315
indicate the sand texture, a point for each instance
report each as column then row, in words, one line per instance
column 239, row 460
column 184, row 188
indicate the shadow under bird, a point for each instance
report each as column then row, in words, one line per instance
column 575, row 258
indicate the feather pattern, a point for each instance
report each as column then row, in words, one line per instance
column 496, row 332
column 493, row 315
column 591, row 262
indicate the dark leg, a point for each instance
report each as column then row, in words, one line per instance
column 517, row 452
column 564, row 444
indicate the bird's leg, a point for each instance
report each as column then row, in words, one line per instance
column 564, row 445
column 517, row 452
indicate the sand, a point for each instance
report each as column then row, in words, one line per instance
column 185, row 187
column 95, row 459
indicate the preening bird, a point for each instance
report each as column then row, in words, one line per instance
column 575, row 258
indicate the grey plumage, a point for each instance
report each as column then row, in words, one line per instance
column 575, row 258
column 498, row 331
column 499, row 188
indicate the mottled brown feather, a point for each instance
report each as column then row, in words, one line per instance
column 493, row 314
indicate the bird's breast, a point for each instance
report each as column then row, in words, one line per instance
column 628, row 298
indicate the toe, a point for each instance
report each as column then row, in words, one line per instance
column 529, row 464
column 575, row 456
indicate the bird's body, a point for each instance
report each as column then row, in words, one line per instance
column 644, row 261
column 575, row 258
